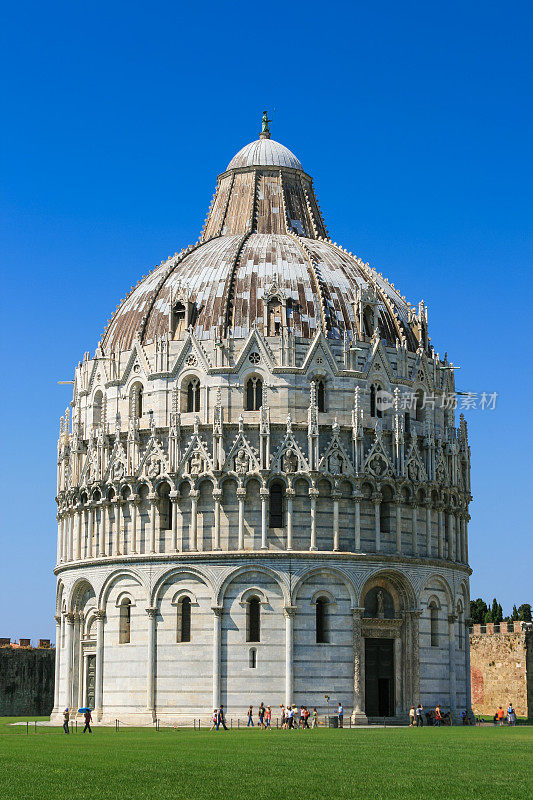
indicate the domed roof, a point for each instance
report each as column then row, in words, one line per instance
column 264, row 153
column 264, row 237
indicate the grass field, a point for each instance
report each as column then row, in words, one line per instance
column 429, row 763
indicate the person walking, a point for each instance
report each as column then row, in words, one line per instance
column 291, row 718
column 261, row 715
column 511, row 715
column 268, row 718
column 283, row 718
column 501, row 716
column 418, row 716
column 438, row 716
column 411, row 717
column 340, row 712
column 315, row 717
column 88, row 719
column 220, row 718
column 250, row 717
column 66, row 718
column 214, row 719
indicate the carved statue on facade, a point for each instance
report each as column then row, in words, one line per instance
column 290, row 462
column 196, row 463
column 242, row 462
column 380, row 605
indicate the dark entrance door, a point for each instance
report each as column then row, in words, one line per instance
column 91, row 680
column 379, row 677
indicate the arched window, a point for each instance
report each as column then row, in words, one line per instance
column 179, row 320
column 193, row 395
column 274, row 319
column 97, row 408
column 136, row 400
column 125, row 621
column 419, row 405
column 368, row 321
column 321, row 396
column 322, row 632
column 407, row 422
column 184, row 619
column 375, row 408
column 165, row 507
column 253, row 619
column 276, row 505
column 434, row 624
column 254, row 393
column 252, row 658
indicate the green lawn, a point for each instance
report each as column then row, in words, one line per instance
column 429, row 763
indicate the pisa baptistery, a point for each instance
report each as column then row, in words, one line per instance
column 262, row 494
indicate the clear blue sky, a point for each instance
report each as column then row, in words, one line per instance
column 416, row 122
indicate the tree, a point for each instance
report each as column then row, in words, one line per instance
column 488, row 617
column 478, row 609
column 514, row 615
column 496, row 611
column 524, row 612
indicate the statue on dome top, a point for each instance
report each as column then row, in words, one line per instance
column 265, row 130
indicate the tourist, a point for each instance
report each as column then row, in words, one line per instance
column 66, row 717
column 302, row 717
column 411, row 717
column 511, row 715
column 291, row 717
column 261, row 715
column 315, row 717
column 214, row 719
column 438, row 716
column 501, row 716
column 307, row 714
column 88, row 719
column 282, row 712
column 418, row 716
column 340, row 712
column 268, row 718
column 250, row 717
column 220, row 718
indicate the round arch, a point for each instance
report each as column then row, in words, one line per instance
column 113, row 577
column 396, row 583
column 181, row 570
column 326, row 570
column 76, row 592
column 444, row 585
column 275, row 576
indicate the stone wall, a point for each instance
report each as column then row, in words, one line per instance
column 26, row 680
column 501, row 664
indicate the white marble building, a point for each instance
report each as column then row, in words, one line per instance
column 262, row 494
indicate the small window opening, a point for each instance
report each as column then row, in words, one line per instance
column 375, row 408
column 322, row 633
column 434, row 624
column 321, row 396
column 125, row 622
column 193, row 395
column 276, row 505
column 184, row 619
column 274, row 317
column 180, row 319
column 254, row 394
column 252, row 658
column 97, row 408
column 253, row 621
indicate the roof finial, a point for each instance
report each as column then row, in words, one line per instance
column 265, row 131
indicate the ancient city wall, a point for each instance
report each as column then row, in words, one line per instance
column 26, row 678
column 501, row 664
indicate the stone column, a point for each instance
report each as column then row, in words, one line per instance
column 217, row 642
column 451, row 668
column 399, row 526
column 68, row 536
column 428, row 529
column 376, row 497
column 359, row 713
column 150, row 661
column 59, row 540
column 79, row 648
column 264, row 495
column 174, row 540
column 415, row 654
column 457, row 527
column 241, row 494
column 64, row 519
column 102, row 542
column 116, row 527
column 313, row 494
column 90, row 526
column 99, row 673
column 193, row 541
column 289, row 492
column 134, row 510
column 451, row 548
column 461, row 523
column 467, row 519
column 153, row 500
column 57, row 662
column 289, row 612
column 357, row 522
column 441, row 532
column 335, row 496
column 398, row 675
column 69, row 646
column 76, row 517
column 415, row 529
column 468, row 687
